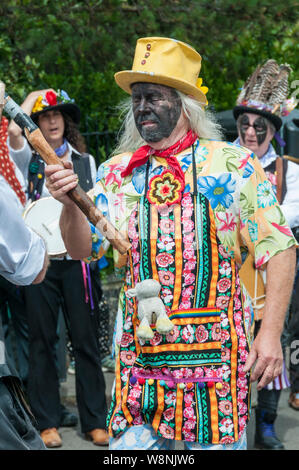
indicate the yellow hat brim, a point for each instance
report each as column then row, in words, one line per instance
column 126, row 78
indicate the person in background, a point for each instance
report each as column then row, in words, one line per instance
column 23, row 260
column 260, row 106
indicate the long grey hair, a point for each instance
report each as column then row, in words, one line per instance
column 202, row 122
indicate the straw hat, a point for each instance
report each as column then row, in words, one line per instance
column 167, row 62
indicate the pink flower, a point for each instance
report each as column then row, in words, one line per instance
column 126, row 339
column 216, row 332
column 225, row 407
column 188, row 399
column 186, row 200
column 201, row 334
column 189, row 278
column 164, row 260
column 188, row 225
column 198, row 372
column 166, row 243
column 190, row 265
column 223, row 251
column 156, row 339
column 187, row 292
column 128, row 357
column 225, row 268
column 222, row 301
column 228, row 223
column 263, row 259
column 188, row 425
column 167, row 295
column 173, row 335
column 226, row 425
column 188, row 237
column 185, row 305
column 189, row 436
column 223, row 392
column 170, row 398
column 188, row 254
column 188, row 334
column 188, row 412
column 224, row 336
column 138, row 420
column 242, row 408
column 227, row 440
column 166, row 431
column 166, row 225
column 166, row 278
column 169, row 414
column 224, row 284
column 283, row 229
column 225, row 354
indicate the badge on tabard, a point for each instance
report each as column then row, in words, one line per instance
column 165, row 189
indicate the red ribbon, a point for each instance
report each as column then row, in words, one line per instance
column 141, row 156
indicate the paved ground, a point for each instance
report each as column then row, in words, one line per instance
column 287, row 423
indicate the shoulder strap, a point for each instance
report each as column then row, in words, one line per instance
column 279, row 175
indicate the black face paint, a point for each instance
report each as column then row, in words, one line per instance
column 156, row 110
column 260, row 126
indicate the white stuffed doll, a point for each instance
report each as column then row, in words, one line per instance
column 151, row 309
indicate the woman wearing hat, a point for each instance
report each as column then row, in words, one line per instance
column 187, row 202
column 68, row 283
column 261, row 105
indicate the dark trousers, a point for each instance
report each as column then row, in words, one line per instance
column 64, row 280
column 16, row 429
column 15, row 325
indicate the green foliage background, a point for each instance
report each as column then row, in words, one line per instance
column 79, row 45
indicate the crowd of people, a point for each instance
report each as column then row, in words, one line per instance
column 194, row 208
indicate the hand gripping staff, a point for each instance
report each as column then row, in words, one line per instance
column 81, row 199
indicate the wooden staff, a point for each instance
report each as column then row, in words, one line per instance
column 81, row 199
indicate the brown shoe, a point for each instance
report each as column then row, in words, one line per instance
column 51, row 438
column 98, row 436
column 293, row 401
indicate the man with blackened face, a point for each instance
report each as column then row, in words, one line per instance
column 166, row 189
column 157, row 112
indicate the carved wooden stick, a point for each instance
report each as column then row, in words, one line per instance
column 81, row 199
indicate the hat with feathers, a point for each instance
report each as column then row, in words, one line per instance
column 265, row 92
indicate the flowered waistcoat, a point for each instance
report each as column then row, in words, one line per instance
column 189, row 384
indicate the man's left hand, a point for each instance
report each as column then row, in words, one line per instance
column 266, row 354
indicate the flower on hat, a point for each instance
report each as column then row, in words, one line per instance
column 51, row 99
column 203, row 89
column 38, row 105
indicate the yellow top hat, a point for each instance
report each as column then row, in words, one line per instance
column 167, row 62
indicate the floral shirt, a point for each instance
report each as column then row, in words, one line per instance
column 246, row 211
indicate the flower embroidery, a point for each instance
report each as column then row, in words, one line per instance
column 165, row 189
column 166, row 431
column 265, row 195
column 217, row 190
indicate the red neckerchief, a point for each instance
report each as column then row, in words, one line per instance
column 141, row 156
column 7, row 168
